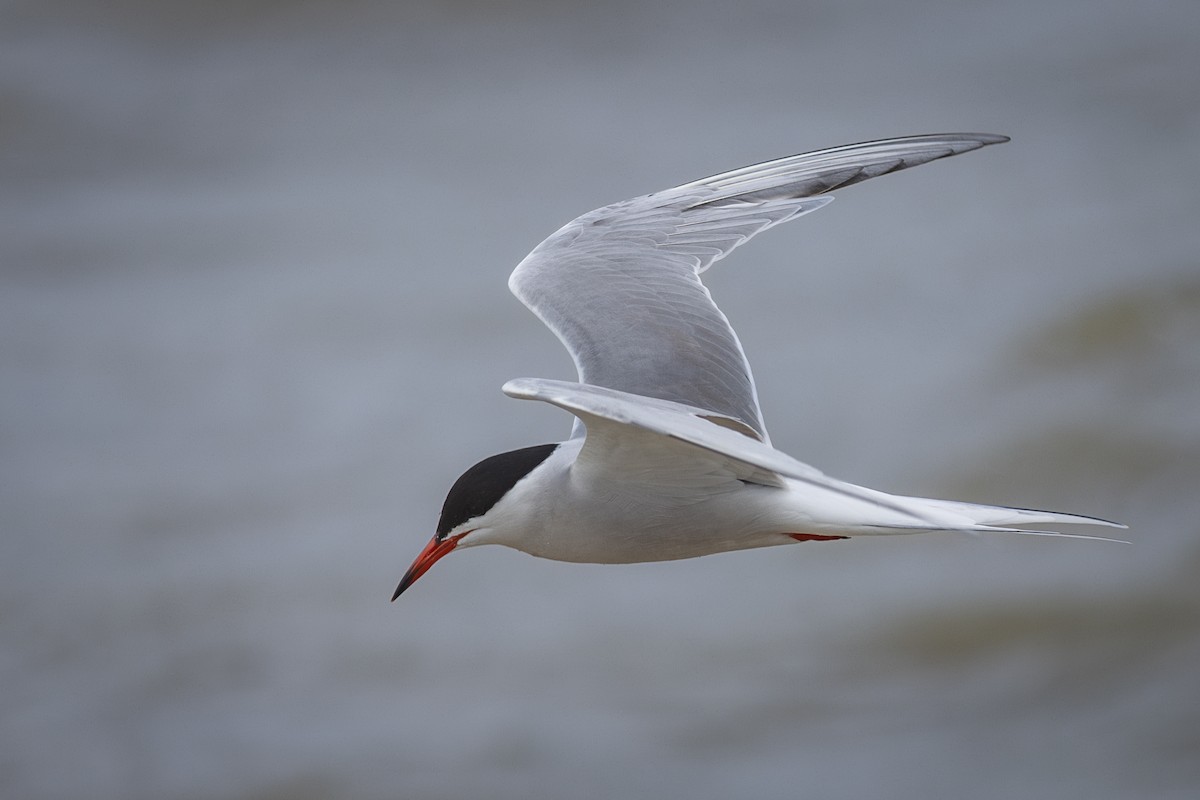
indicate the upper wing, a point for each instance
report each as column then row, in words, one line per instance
column 620, row 285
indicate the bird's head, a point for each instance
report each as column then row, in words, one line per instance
column 473, row 509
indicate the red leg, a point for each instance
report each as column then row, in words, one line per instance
column 814, row 537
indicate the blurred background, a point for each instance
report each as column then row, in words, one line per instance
column 254, row 321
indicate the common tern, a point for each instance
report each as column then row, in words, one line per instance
column 668, row 457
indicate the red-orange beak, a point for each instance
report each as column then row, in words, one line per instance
column 432, row 552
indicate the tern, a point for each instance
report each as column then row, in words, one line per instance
column 668, row 456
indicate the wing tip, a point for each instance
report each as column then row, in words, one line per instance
column 985, row 139
column 970, row 141
column 521, row 388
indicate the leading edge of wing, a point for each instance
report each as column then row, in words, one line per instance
column 820, row 171
column 694, row 426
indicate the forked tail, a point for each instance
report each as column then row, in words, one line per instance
column 953, row 515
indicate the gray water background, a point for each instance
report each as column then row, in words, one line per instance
column 253, row 323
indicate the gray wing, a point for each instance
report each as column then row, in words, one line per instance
column 756, row 462
column 620, row 286
column 619, row 423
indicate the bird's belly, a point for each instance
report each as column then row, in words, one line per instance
column 623, row 527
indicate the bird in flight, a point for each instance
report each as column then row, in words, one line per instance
column 669, row 457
